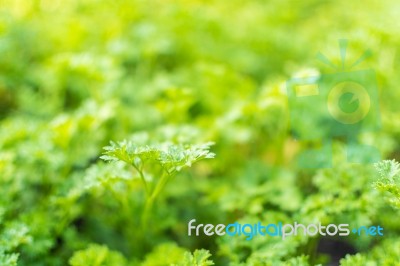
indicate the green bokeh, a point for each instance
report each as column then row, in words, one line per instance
column 75, row 75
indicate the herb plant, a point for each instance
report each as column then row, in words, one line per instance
column 197, row 93
column 164, row 160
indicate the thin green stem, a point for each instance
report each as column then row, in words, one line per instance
column 142, row 178
column 153, row 196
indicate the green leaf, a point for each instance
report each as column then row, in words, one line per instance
column 14, row 235
column 97, row 255
column 198, row 258
column 172, row 157
column 388, row 170
column 165, row 254
column 389, row 181
column 8, row 259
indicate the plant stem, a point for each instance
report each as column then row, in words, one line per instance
column 142, row 178
column 151, row 199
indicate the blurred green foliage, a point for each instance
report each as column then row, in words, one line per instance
column 76, row 74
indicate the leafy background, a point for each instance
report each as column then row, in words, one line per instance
column 168, row 76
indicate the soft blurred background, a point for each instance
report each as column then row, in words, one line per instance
column 76, row 74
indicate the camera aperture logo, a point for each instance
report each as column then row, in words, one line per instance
column 280, row 230
column 342, row 105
